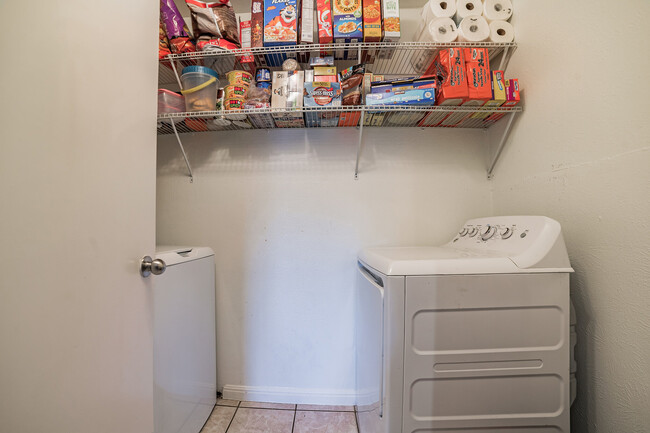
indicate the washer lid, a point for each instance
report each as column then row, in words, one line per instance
column 435, row 261
column 175, row 255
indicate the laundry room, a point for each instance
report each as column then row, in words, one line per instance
column 293, row 218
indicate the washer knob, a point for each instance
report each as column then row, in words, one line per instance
column 463, row 232
column 488, row 232
column 472, row 232
column 506, row 232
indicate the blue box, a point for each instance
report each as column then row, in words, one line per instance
column 406, row 97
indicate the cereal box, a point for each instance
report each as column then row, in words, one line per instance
column 325, row 35
column 391, row 20
column 257, row 23
column 307, row 22
column 372, row 29
column 247, row 61
column 280, row 22
column 347, row 21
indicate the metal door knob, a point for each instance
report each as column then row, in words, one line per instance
column 149, row 266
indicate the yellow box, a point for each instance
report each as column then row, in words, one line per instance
column 499, row 94
column 324, row 70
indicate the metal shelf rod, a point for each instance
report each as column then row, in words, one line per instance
column 502, row 143
column 180, row 143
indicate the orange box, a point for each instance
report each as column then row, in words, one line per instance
column 349, row 118
column 499, row 94
column 477, row 63
column 372, row 28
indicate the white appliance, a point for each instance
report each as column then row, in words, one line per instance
column 469, row 337
column 185, row 375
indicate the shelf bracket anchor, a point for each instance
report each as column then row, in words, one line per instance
column 359, row 144
column 180, row 144
column 502, row 143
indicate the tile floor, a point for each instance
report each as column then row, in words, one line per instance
column 233, row 416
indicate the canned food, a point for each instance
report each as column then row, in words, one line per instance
column 233, row 103
column 263, row 74
column 235, row 91
column 241, row 78
column 264, row 85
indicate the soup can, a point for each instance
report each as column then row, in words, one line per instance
column 241, row 78
column 263, row 74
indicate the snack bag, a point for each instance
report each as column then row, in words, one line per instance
column 214, row 24
column 175, row 28
column 352, row 83
column 163, row 42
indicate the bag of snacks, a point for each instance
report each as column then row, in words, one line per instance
column 175, row 28
column 214, row 24
column 351, row 84
column 163, row 42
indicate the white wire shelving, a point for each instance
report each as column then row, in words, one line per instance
column 388, row 59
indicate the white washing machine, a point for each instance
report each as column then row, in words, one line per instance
column 184, row 334
column 469, row 337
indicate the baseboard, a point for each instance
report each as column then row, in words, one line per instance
column 290, row 395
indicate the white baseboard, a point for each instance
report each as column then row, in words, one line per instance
column 269, row 394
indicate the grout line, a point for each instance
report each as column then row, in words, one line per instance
column 233, row 417
column 206, row 421
column 356, row 418
column 293, row 424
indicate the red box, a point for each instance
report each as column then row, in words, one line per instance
column 325, row 35
column 449, row 66
column 513, row 98
column 257, row 24
column 349, row 118
column 332, row 78
column 477, row 63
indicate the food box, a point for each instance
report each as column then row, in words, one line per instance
column 257, row 23
column 477, row 63
column 287, row 89
column 349, row 118
column 333, row 78
column 307, row 22
column 321, row 61
column 374, row 118
column 347, row 20
column 247, row 61
column 512, row 98
column 280, row 22
column 406, row 97
column 288, row 120
column 322, row 94
column 391, row 20
column 499, row 95
column 450, row 66
column 324, row 70
column 372, row 27
column 325, row 35
column 262, row 121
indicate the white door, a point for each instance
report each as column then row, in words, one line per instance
column 78, row 85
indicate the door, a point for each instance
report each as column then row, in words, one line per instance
column 77, row 211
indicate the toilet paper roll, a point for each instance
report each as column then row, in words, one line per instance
column 438, row 9
column 473, row 29
column 501, row 32
column 468, row 8
column 497, row 10
column 440, row 30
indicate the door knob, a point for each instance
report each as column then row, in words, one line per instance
column 148, row 266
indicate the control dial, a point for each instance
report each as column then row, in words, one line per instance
column 463, row 232
column 472, row 232
column 488, row 232
column 506, row 232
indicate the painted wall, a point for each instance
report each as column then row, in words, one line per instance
column 581, row 154
column 286, row 218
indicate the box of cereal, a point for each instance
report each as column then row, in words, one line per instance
column 257, row 24
column 325, row 35
column 347, row 21
column 372, row 29
column 280, row 22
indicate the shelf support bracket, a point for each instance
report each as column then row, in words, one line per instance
column 502, row 143
column 359, row 144
column 180, row 144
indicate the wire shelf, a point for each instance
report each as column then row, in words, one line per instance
column 332, row 117
column 392, row 59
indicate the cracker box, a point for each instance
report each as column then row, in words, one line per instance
column 449, row 66
column 347, row 21
column 498, row 94
column 372, row 27
column 477, row 63
column 391, row 20
column 324, row 9
column 280, row 22
column 257, row 24
column 307, row 22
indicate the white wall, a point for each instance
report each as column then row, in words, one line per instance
column 286, row 218
column 581, row 154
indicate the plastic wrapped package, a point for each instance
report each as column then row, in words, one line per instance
column 175, row 28
column 214, row 24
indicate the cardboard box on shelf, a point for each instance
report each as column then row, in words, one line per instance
column 499, row 95
column 324, row 9
column 280, row 22
column 347, row 22
column 349, row 118
column 477, row 63
column 287, row 89
column 257, row 23
column 247, row 61
column 406, row 97
column 306, row 27
column 322, row 94
column 512, row 98
column 372, row 25
column 391, row 20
